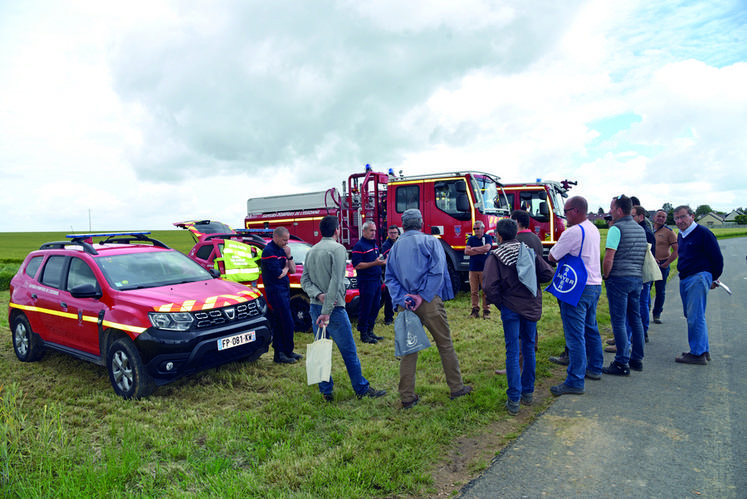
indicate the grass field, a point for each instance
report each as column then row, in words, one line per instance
column 257, row 430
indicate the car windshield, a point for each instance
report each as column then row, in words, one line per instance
column 150, row 269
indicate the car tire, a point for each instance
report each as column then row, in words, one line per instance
column 126, row 371
column 26, row 343
column 301, row 312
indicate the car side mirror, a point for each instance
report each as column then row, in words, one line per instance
column 86, row 291
column 214, row 273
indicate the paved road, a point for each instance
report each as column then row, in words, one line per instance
column 673, row 430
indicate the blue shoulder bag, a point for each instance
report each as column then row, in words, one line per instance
column 570, row 277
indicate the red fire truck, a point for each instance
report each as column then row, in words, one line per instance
column 450, row 204
column 543, row 200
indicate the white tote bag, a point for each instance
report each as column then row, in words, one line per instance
column 319, row 358
column 651, row 270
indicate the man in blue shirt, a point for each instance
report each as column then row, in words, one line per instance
column 416, row 270
column 477, row 249
column 365, row 259
column 700, row 265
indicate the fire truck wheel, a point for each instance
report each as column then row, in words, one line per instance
column 456, row 280
column 300, row 310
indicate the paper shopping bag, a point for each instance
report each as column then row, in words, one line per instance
column 319, row 358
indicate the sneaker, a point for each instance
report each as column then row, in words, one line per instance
column 561, row 360
column 512, row 407
column 526, row 398
column 475, row 313
column 388, row 322
column 466, row 390
column 281, row 358
column 371, row 393
column 563, row 389
column 593, row 375
column 616, row 369
column 486, row 314
column 657, row 320
column 500, row 372
column 328, row 397
column 636, row 365
column 412, row 403
column 294, row 355
column 645, row 338
column 707, row 355
column 610, row 341
column 611, row 349
column 688, row 358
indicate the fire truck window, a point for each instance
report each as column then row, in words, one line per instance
column 52, row 274
column 407, row 197
column 80, row 273
column 451, row 198
column 502, row 205
column 534, row 203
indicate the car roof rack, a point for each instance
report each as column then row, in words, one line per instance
column 86, row 240
column 239, row 234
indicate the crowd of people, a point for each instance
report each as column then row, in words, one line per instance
column 510, row 273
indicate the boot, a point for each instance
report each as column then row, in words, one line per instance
column 377, row 338
column 475, row 313
column 367, row 338
column 486, row 314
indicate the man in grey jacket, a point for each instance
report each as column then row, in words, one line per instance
column 323, row 280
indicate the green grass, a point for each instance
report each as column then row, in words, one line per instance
column 252, row 430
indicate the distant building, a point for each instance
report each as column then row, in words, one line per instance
column 732, row 217
column 711, row 220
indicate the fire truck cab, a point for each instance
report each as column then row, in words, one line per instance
column 543, row 200
column 450, row 204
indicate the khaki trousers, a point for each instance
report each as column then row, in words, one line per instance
column 433, row 316
column 475, row 285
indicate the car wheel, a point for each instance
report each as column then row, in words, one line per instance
column 126, row 371
column 26, row 344
column 456, row 280
column 301, row 312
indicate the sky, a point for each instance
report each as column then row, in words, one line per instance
column 135, row 115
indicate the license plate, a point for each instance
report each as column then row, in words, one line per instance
column 236, row 340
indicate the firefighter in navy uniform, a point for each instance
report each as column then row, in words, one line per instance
column 392, row 236
column 277, row 263
column 365, row 259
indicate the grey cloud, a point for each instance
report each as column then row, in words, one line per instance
column 254, row 85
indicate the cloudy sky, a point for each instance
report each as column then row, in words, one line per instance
column 135, row 115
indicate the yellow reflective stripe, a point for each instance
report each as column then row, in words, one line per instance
column 86, row 318
column 187, row 305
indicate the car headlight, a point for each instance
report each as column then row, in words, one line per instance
column 177, row 321
column 262, row 305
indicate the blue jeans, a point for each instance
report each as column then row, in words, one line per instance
column 516, row 328
column 582, row 336
column 645, row 303
column 661, row 291
column 341, row 332
column 624, row 297
column 694, row 293
column 370, row 304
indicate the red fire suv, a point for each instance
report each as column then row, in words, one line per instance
column 210, row 236
column 145, row 311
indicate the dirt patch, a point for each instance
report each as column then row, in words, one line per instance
column 469, row 457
